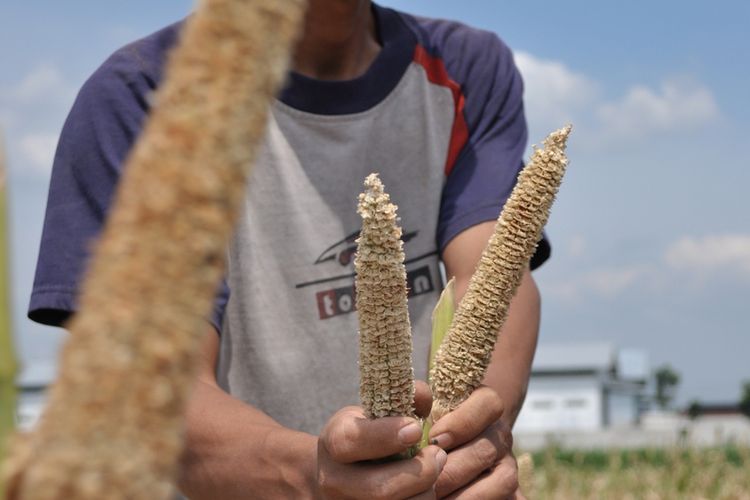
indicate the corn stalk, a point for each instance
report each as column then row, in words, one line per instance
column 463, row 358
column 113, row 425
column 8, row 362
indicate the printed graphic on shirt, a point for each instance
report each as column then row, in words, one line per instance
column 343, row 251
column 341, row 300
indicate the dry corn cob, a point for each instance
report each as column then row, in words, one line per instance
column 113, row 427
column 465, row 354
column 386, row 374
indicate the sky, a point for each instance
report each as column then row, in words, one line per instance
column 651, row 230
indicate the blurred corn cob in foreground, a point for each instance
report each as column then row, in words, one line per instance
column 386, row 374
column 113, row 427
column 462, row 360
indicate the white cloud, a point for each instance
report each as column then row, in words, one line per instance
column 556, row 94
column 677, row 105
column 553, row 92
column 42, row 82
column 692, row 262
column 611, row 282
column 608, row 282
column 709, row 254
column 39, row 151
column 32, row 109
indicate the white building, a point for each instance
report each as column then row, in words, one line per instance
column 32, row 386
column 583, row 387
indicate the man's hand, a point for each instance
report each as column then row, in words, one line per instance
column 479, row 444
column 353, row 454
column 350, row 443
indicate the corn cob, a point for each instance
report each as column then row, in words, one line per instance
column 386, row 374
column 113, row 426
column 465, row 354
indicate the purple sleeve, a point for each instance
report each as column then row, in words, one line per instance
column 486, row 170
column 98, row 133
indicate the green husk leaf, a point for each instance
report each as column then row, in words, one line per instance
column 8, row 361
column 442, row 317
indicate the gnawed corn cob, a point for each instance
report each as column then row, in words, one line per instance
column 113, row 427
column 386, row 374
column 465, row 354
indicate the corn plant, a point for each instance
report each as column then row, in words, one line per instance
column 658, row 474
column 8, row 363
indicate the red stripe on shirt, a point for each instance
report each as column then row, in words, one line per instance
column 437, row 74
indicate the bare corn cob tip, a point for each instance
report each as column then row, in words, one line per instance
column 463, row 358
column 113, row 427
column 386, row 374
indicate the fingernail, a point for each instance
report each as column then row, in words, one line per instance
column 442, row 440
column 410, row 434
column 442, row 458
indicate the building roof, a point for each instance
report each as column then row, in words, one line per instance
column 36, row 375
column 717, row 409
column 595, row 357
column 581, row 356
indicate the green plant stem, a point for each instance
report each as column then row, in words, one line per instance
column 8, row 362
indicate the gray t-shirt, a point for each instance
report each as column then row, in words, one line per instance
column 439, row 115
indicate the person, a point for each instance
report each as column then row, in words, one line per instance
column 436, row 108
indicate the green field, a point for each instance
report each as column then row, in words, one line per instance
column 679, row 474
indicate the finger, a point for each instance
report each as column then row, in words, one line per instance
column 469, row 461
column 350, row 437
column 466, row 422
column 499, row 484
column 422, row 399
column 394, row 480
